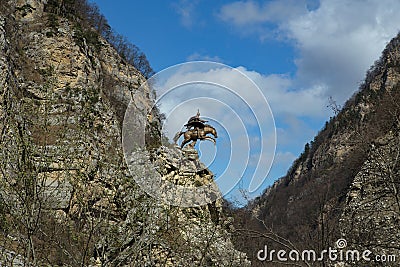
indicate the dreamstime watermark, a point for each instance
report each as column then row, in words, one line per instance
column 339, row 253
column 231, row 102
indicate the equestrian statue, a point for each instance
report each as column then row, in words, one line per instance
column 197, row 129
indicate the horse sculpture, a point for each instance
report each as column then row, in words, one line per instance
column 196, row 130
column 197, row 134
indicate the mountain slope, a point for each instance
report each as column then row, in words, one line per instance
column 67, row 197
column 345, row 183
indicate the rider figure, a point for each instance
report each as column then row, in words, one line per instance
column 196, row 123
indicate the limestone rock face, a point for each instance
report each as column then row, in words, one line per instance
column 67, row 196
column 66, row 98
column 372, row 214
column 191, row 236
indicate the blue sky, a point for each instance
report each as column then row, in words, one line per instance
column 168, row 37
column 298, row 52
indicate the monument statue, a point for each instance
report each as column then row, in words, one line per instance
column 197, row 129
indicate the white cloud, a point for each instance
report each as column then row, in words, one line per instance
column 336, row 42
column 277, row 89
column 340, row 40
column 251, row 17
column 283, row 100
column 186, row 11
column 197, row 56
column 248, row 13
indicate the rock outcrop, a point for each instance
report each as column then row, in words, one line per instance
column 67, row 197
column 191, row 236
column 371, row 217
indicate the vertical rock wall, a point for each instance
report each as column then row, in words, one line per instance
column 69, row 198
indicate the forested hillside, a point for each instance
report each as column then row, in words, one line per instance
column 346, row 182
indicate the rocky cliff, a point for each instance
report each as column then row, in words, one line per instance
column 67, row 196
column 346, row 182
column 371, row 216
